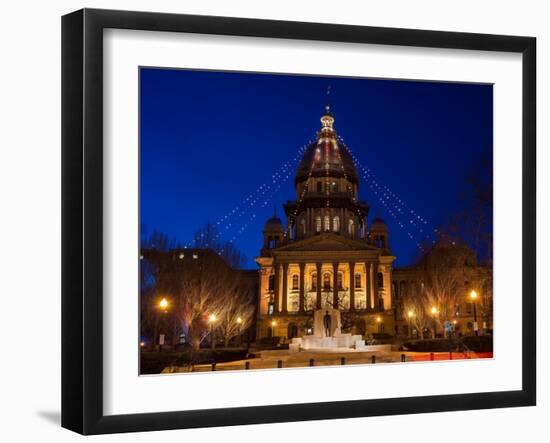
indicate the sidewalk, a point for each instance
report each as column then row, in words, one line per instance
column 282, row 359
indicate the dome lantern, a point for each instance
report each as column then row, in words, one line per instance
column 327, row 120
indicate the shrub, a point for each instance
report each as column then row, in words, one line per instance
column 482, row 343
column 431, row 345
column 382, row 336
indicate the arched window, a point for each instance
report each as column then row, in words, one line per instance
column 314, row 281
column 358, row 281
column 318, row 224
column 271, row 283
column 336, row 224
column 295, row 281
column 340, row 281
column 327, row 223
column 351, row 228
column 380, row 280
column 326, row 281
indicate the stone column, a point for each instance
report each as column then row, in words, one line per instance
column 284, row 310
column 368, row 284
column 276, row 290
column 351, row 286
column 319, row 282
column 375, row 284
column 302, row 287
column 335, row 283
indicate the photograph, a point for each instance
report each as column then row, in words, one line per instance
column 274, row 222
column 298, row 221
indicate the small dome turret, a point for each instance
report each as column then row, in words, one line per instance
column 379, row 233
column 274, row 225
column 273, row 232
column 378, row 224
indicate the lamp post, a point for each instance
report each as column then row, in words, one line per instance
column 240, row 323
column 473, row 297
column 379, row 321
column 273, row 324
column 163, row 306
column 410, row 315
column 212, row 319
column 434, row 313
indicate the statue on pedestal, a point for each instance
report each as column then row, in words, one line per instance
column 327, row 322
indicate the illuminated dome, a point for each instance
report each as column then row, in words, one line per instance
column 327, row 156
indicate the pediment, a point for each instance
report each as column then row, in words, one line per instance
column 327, row 242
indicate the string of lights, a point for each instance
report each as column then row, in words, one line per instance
column 398, row 208
column 306, row 185
column 405, row 216
column 264, row 203
column 344, row 169
column 231, row 218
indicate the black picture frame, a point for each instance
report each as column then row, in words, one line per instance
column 82, row 218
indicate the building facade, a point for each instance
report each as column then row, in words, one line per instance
column 326, row 256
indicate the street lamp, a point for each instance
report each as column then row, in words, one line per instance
column 410, row 315
column 473, row 296
column 212, row 319
column 240, row 323
column 379, row 321
column 163, row 306
column 434, row 313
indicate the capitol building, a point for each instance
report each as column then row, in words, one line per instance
column 328, row 255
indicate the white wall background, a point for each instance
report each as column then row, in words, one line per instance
column 30, row 93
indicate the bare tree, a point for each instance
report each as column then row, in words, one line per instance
column 202, row 291
column 236, row 312
column 194, row 287
column 209, row 292
column 417, row 304
column 444, row 270
column 209, row 238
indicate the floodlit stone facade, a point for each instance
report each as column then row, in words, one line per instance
column 326, row 255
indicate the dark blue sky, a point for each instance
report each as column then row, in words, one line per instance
column 210, row 139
